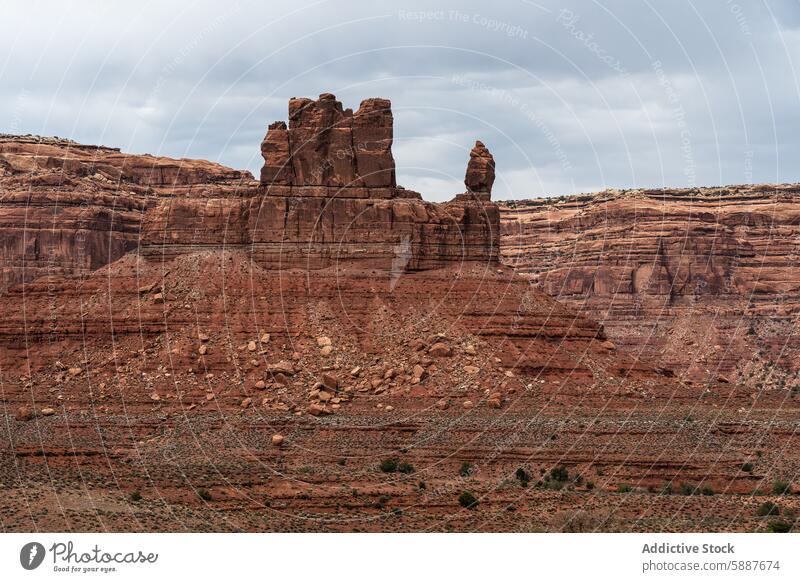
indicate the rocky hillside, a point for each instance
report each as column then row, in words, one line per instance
column 704, row 281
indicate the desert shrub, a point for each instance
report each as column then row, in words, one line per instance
column 389, row 465
column 779, row 526
column 707, row 491
column 624, row 489
column 559, row 473
column 468, row 500
column 405, row 467
column 768, row 508
column 522, row 476
column 135, row 495
column 466, row 469
column 381, row 502
column 781, row 488
column 747, row 467
column 687, row 489
column 204, row 494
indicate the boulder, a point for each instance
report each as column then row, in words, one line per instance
column 24, row 414
column 284, row 367
column 440, row 350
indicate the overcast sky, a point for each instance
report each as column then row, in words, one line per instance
column 570, row 96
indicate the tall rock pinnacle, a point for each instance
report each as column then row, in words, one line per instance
column 480, row 171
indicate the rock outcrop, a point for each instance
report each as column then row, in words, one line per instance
column 326, row 145
column 78, row 216
column 705, row 281
column 480, row 171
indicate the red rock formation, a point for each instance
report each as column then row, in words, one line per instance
column 348, row 216
column 480, row 170
column 703, row 281
column 70, row 209
column 326, row 145
column 328, row 306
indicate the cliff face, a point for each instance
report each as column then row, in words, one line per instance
column 93, row 239
column 68, row 209
column 705, row 281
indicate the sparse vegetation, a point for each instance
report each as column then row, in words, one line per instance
column 135, row 495
column 747, row 467
column 204, row 494
column 768, row 508
column 466, row 469
column 781, row 488
column 523, row 477
column 559, row 473
column 405, row 467
column 467, row 500
column 389, row 465
column 779, row 526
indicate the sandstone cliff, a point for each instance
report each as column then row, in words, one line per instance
column 100, row 246
column 703, row 281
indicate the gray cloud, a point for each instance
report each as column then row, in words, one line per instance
column 570, row 96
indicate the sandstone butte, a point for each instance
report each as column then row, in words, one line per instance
column 184, row 347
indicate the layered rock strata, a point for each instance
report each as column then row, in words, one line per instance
column 705, row 281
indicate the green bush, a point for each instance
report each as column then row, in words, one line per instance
column 389, row 465
column 468, row 500
column 204, row 494
column 136, row 495
column 466, row 469
column 522, row 476
column 781, row 488
column 747, row 467
column 707, row 491
column 406, row 468
column 779, row 526
column 559, row 473
column 768, row 508
column 624, row 489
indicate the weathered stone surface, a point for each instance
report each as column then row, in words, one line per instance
column 328, row 146
column 703, row 281
column 480, row 170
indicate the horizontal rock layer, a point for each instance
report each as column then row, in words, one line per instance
column 704, row 281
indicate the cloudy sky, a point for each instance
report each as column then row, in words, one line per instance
column 570, row 96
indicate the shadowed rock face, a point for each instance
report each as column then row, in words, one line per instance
column 704, row 281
